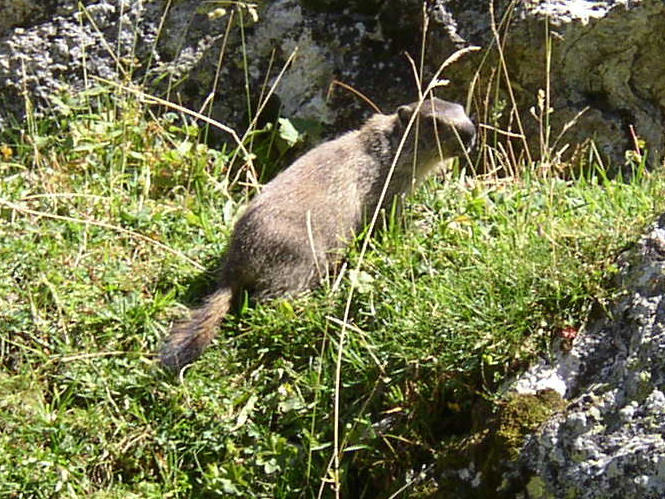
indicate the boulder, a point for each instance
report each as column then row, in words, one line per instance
column 605, row 61
column 608, row 441
column 587, row 421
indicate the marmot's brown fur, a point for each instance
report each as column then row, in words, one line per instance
column 295, row 230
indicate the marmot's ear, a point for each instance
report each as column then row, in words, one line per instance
column 404, row 114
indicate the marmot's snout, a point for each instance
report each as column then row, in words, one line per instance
column 455, row 129
column 463, row 129
column 467, row 133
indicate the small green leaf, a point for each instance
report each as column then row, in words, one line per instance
column 288, row 132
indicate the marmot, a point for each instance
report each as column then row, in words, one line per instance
column 294, row 232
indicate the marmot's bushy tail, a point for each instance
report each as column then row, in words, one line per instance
column 190, row 337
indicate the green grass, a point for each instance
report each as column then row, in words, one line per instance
column 107, row 218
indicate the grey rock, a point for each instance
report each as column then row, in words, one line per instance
column 609, row 442
column 66, row 52
column 606, row 60
column 605, row 64
column 182, row 53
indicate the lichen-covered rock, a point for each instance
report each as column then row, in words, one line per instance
column 609, row 441
column 605, row 64
column 606, row 60
column 605, row 74
column 181, row 50
column 66, row 52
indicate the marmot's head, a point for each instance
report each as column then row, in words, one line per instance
column 444, row 129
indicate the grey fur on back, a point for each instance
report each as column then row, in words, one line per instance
column 295, row 231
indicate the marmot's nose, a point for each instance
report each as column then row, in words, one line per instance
column 463, row 128
column 466, row 131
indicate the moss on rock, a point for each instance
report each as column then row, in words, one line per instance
column 474, row 466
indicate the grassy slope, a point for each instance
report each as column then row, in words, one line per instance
column 101, row 217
